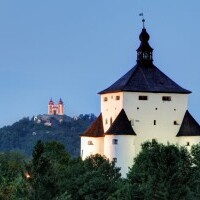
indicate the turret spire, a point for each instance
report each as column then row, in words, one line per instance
column 143, row 20
column 144, row 52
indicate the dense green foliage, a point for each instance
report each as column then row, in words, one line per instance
column 23, row 135
column 53, row 175
column 160, row 171
column 12, row 185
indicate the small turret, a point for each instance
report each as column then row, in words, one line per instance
column 60, row 101
column 144, row 52
column 51, row 102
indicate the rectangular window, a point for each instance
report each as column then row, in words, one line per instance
column 188, row 144
column 143, row 98
column 115, row 160
column 105, row 98
column 166, row 98
column 154, row 122
column 115, row 141
column 117, row 97
column 90, row 142
column 132, row 122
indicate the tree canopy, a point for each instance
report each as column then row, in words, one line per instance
column 159, row 172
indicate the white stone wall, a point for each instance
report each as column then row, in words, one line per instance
column 123, row 151
column 142, row 114
column 91, row 146
column 111, row 107
column 188, row 141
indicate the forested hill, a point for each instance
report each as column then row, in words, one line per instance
column 23, row 135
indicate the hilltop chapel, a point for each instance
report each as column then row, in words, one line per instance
column 56, row 109
column 142, row 105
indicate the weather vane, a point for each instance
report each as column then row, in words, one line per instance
column 143, row 20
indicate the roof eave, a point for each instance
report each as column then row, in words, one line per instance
column 151, row 91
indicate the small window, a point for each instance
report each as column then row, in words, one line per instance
column 106, row 121
column 156, row 108
column 132, row 122
column 188, row 144
column 114, row 160
column 90, row 142
column 110, row 121
column 138, row 108
column 154, row 122
column 117, row 97
column 115, row 141
column 105, row 98
column 143, row 98
column 175, row 123
column 166, row 98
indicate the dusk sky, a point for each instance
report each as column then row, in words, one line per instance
column 75, row 48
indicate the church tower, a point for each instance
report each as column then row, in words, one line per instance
column 142, row 105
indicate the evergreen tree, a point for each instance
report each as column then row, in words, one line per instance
column 42, row 176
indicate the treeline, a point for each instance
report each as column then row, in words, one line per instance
column 23, row 135
column 159, row 172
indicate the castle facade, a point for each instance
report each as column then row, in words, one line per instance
column 142, row 105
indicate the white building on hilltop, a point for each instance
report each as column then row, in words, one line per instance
column 142, row 105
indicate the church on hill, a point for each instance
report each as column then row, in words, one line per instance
column 142, row 105
column 56, row 109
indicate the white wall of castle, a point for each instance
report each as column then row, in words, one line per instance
column 110, row 107
column 188, row 141
column 122, row 151
column 91, row 146
column 151, row 119
column 155, row 118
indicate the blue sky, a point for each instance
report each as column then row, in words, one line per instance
column 75, row 48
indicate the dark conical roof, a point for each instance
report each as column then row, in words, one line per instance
column 145, row 78
column 51, row 102
column 60, row 101
column 121, row 126
column 96, row 128
column 189, row 126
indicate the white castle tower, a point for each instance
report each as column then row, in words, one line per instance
column 142, row 105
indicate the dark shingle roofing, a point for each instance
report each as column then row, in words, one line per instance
column 96, row 128
column 121, row 126
column 145, row 77
column 189, row 126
